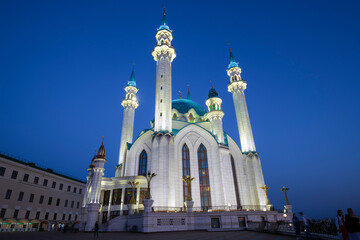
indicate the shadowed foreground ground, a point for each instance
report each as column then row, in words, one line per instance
column 195, row 235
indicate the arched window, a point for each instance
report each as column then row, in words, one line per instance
column 142, row 163
column 191, row 117
column 204, row 178
column 186, row 167
column 174, row 116
column 235, row 182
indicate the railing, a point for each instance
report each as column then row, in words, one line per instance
column 318, row 229
column 211, row 208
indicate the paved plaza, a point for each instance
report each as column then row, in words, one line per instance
column 196, row 235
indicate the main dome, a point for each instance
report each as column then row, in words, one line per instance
column 184, row 105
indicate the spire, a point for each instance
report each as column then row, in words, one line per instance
column 101, row 152
column 164, row 22
column 188, row 95
column 132, row 82
column 232, row 60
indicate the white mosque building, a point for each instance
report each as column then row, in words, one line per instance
column 183, row 139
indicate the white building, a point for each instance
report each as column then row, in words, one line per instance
column 183, row 139
column 33, row 198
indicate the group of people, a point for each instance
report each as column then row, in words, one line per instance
column 348, row 226
column 296, row 223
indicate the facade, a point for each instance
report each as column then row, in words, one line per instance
column 34, row 198
column 184, row 139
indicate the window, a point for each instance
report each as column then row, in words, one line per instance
column 106, row 198
column 142, row 163
column 14, row 174
column 2, row 213
column 61, row 186
column 46, row 216
column 72, row 204
column 63, row 217
column 114, row 214
column 27, row 214
column 116, row 197
column 69, row 188
column 235, row 182
column 16, row 213
column 74, row 190
column 161, row 114
column 58, row 202
column 37, row 215
column 36, row 180
column 55, row 216
column 66, row 203
column 50, row 201
column 161, row 100
column 204, row 178
column 69, row 218
column 2, row 171
column 162, row 76
column 75, row 218
column 161, row 88
column 53, row 185
column 104, row 217
column 8, row 194
column 142, row 196
column 186, row 168
column 31, row 199
column 21, row 196
column 77, row 204
column 128, row 194
column 174, row 116
column 41, row 199
column 26, row 177
column 80, row 191
column 45, row 182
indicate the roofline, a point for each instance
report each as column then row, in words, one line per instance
column 33, row 165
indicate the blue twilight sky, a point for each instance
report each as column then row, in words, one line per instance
column 64, row 65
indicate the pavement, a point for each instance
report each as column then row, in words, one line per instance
column 189, row 235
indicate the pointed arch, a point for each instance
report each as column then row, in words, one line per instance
column 204, row 181
column 142, row 163
column 185, row 167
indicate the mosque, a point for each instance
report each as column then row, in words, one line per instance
column 183, row 139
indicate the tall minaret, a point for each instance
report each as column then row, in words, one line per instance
column 237, row 87
column 215, row 115
column 163, row 54
column 129, row 103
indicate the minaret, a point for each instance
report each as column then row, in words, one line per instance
column 237, row 87
column 163, row 54
column 96, row 172
column 129, row 103
column 255, row 175
column 215, row 114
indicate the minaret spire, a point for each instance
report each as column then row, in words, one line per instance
column 129, row 103
column 188, row 95
column 164, row 54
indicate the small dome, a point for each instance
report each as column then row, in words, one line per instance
column 212, row 93
column 184, row 105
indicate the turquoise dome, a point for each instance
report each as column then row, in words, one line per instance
column 184, row 105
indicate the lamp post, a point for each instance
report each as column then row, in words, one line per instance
column 131, row 205
column 148, row 202
column 189, row 202
column 284, row 190
column 149, row 176
column 266, row 188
